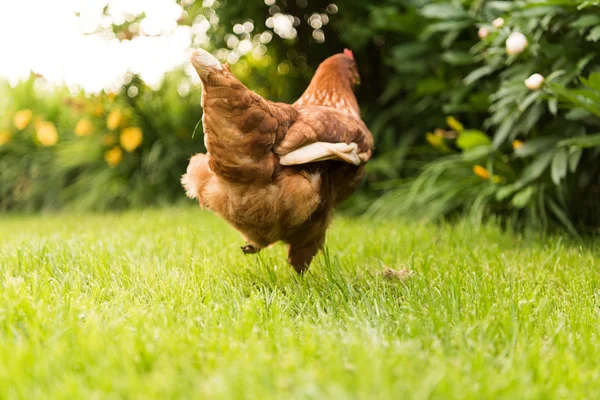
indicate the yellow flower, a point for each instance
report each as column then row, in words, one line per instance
column 109, row 139
column 114, row 119
column 46, row 134
column 37, row 123
column 113, row 156
column 22, row 119
column 131, row 138
column 455, row 124
column 517, row 144
column 434, row 140
column 98, row 110
column 84, row 127
column 5, row 137
column 481, row 172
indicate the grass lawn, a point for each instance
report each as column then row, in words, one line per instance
column 163, row 304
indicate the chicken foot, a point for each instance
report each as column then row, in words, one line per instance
column 250, row 249
column 321, row 151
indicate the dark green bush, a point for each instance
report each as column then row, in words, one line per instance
column 538, row 162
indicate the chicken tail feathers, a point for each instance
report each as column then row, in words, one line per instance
column 196, row 177
column 204, row 62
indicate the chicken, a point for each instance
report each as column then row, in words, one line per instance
column 276, row 171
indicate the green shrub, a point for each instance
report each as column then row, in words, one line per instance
column 106, row 151
column 538, row 162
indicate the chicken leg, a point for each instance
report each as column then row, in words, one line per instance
column 301, row 256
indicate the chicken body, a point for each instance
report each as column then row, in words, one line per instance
column 275, row 171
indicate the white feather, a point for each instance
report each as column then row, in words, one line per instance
column 191, row 189
column 203, row 61
column 321, row 151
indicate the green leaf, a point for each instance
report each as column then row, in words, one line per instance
column 582, row 141
column 476, row 153
column 559, row 165
column 537, row 167
column 587, row 98
column 393, row 88
column 503, row 132
column 578, row 114
column 521, row 199
column 594, row 34
column 561, row 215
column 538, row 12
column 536, row 146
column 478, row 73
column 530, row 173
column 508, row 190
column 442, row 11
column 531, row 118
column 408, row 52
column 449, row 38
column 431, row 85
column 445, row 26
column 588, row 3
column 582, row 63
column 472, row 138
column 553, row 105
column 555, row 75
column 593, row 81
column 502, row 6
column 529, row 100
column 586, row 21
column 457, row 57
column 574, row 157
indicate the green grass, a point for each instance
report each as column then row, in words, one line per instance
column 162, row 304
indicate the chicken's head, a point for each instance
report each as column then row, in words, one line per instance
column 341, row 66
column 353, row 67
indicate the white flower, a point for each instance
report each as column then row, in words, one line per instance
column 534, row 82
column 483, row 32
column 516, row 43
column 498, row 23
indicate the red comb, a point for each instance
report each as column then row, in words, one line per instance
column 348, row 53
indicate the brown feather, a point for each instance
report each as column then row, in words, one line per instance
column 241, row 178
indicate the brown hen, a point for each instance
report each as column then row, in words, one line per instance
column 276, row 171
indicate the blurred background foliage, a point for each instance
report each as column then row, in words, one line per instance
column 460, row 127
